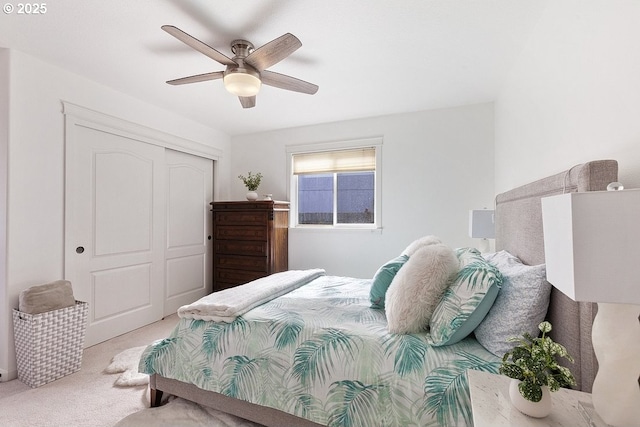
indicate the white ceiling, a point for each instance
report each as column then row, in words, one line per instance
column 369, row 57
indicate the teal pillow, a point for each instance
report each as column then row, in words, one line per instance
column 467, row 300
column 383, row 278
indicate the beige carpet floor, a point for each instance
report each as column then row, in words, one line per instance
column 87, row 397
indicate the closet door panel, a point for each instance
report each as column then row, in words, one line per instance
column 123, row 199
column 114, row 237
column 189, row 226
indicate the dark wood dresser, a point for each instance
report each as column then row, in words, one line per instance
column 250, row 241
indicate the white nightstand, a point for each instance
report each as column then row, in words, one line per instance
column 492, row 408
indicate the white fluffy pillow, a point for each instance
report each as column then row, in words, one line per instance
column 417, row 244
column 418, row 286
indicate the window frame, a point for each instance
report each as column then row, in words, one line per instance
column 292, row 182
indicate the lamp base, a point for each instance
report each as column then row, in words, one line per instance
column 616, row 342
column 484, row 246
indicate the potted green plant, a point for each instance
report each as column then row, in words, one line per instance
column 533, row 368
column 252, row 182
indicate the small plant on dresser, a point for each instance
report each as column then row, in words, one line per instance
column 252, row 182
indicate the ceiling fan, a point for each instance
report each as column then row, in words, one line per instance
column 247, row 70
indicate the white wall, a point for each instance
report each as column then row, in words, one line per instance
column 573, row 95
column 436, row 165
column 4, row 143
column 35, row 239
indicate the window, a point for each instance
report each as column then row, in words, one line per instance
column 352, row 194
column 336, row 187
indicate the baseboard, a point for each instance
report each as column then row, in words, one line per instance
column 7, row 376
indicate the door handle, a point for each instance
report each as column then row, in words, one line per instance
column 79, row 249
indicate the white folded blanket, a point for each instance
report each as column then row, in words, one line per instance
column 226, row 305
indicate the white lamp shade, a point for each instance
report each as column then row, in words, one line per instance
column 481, row 224
column 592, row 245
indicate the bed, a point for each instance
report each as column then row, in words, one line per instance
column 322, row 354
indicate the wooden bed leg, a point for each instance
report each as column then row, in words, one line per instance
column 156, row 398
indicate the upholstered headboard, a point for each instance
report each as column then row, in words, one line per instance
column 519, row 231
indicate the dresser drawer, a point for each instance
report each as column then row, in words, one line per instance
column 233, row 232
column 249, row 240
column 219, row 285
column 238, row 262
column 228, row 278
column 241, row 247
column 241, row 218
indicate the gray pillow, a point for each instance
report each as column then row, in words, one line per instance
column 521, row 304
column 50, row 296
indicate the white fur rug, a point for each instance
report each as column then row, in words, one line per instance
column 182, row 413
column 126, row 363
column 176, row 412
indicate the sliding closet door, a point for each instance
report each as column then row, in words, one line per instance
column 115, row 229
column 188, row 255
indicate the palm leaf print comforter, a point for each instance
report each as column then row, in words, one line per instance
column 321, row 353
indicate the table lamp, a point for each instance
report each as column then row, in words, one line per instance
column 592, row 252
column 482, row 226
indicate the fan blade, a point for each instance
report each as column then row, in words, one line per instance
column 198, row 45
column 273, row 52
column 247, row 101
column 197, row 78
column 287, row 82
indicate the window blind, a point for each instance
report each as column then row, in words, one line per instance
column 352, row 160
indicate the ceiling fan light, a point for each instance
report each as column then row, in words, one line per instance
column 242, row 84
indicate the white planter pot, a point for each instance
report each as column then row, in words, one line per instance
column 252, row 195
column 533, row 409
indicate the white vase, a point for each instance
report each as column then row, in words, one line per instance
column 533, row 409
column 252, row 195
